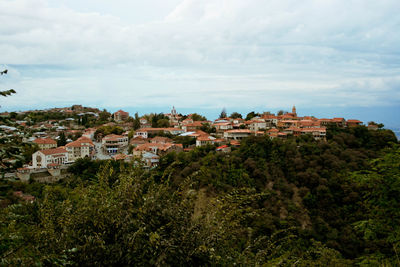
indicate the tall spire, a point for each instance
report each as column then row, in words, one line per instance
column 294, row 110
column 173, row 111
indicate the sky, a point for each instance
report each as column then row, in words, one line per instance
column 329, row 58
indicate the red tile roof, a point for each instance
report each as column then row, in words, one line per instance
column 113, row 137
column 122, row 112
column 238, row 131
column 53, row 151
column 120, row 157
column 196, row 124
column 42, row 141
column 204, row 138
column 81, row 141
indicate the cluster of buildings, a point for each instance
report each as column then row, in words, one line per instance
column 148, row 144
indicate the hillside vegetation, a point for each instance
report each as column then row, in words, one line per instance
column 295, row 202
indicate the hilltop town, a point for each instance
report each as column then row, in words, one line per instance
column 55, row 138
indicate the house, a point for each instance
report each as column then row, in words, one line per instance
column 144, row 123
column 236, row 123
column 195, row 133
column 81, row 148
column 353, row 123
column 287, row 123
column 123, row 157
column 137, row 141
column 309, row 123
column 42, row 158
column 293, row 130
column 282, row 135
column 196, row 125
column 156, row 148
column 373, row 126
column 45, row 143
column 325, row 122
column 270, row 118
column 150, row 159
column 257, row 124
column 224, row 148
column 187, row 121
column 144, row 132
column 113, row 143
column 317, row 133
column 223, row 126
column 237, row 134
column 89, row 133
column 204, row 140
column 121, row 115
column 160, row 140
column 340, row 122
column 273, row 133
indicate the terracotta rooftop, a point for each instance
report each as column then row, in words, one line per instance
column 113, row 137
column 81, row 141
column 46, row 141
column 53, row 151
column 239, row 131
column 122, row 112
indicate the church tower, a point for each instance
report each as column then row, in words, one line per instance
column 173, row 111
column 294, row 111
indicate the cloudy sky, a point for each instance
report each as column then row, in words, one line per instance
column 327, row 57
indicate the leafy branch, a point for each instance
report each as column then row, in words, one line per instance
column 6, row 92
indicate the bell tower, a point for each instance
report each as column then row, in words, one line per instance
column 294, row 111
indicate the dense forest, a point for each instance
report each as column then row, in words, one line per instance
column 294, row 202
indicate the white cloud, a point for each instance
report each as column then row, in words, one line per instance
column 202, row 53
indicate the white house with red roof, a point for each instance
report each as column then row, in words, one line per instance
column 43, row 158
column 113, row 143
column 222, row 126
column 81, row 148
column 205, row 140
column 237, row 134
column 157, row 148
column 144, row 132
column 257, row 124
column 45, row 143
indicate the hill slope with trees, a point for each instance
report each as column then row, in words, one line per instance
column 275, row 202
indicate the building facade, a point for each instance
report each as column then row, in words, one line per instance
column 43, row 158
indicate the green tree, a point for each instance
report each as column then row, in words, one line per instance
column 62, row 140
column 197, row 117
column 206, row 127
column 235, row 115
column 223, row 114
column 251, row 115
column 159, row 120
column 136, row 122
column 104, row 116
